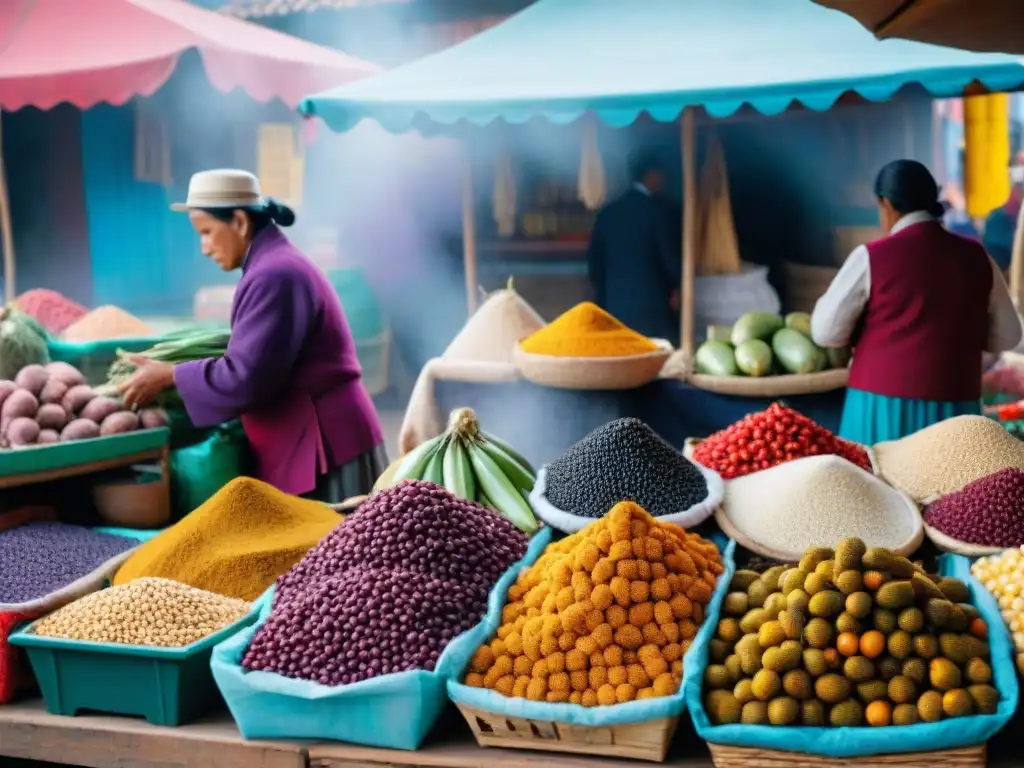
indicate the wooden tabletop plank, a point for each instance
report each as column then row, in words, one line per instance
column 27, row 731
column 453, row 746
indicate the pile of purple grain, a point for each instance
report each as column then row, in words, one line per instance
column 388, row 589
column 38, row 559
column 988, row 512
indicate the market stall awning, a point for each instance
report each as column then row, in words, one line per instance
column 255, row 9
column 90, row 51
column 620, row 58
column 975, row 25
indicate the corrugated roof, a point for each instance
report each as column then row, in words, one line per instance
column 254, row 9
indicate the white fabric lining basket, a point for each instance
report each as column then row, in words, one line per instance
column 958, row 547
column 569, row 523
column 91, row 582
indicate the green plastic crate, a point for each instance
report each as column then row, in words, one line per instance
column 47, row 458
column 167, row 686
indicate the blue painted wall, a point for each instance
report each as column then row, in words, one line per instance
column 134, row 241
column 145, row 257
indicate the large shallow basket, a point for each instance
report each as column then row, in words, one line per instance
column 957, row 547
column 635, row 741
column 772, row 386
column 905, row 549
column 605, row 373
column 749, row 757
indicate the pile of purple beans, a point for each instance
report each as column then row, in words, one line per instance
column 387, row 590
column 37, row 559
column 988, row 512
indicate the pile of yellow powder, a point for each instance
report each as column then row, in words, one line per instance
column 586, row 330
column 237, row 543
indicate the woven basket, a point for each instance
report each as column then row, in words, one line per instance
column 605, row 373
column 957, row 547
column 750, row 757
column 133, row 504
column 772, row 386
column 635, row 741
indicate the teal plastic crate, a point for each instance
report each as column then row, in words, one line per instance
column 94, row 358
column 48, row 458
column 167, row 686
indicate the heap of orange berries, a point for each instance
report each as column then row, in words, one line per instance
column 604, row 616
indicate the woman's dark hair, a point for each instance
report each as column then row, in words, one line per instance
column 909, row 187
column 260, row 216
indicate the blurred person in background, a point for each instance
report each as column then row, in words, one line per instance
column 290, row 371
column 633, row 260
column 920, row 306
column 1002, row 222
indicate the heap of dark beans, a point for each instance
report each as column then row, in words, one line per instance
column 388, row 589
column 37, row 559
column 988, row 512
column 625, row 460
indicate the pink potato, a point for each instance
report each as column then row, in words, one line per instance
column 7, row 388
column 48, row 437
column 118, row 423
column 54, row 391
column 66, row 374
column 152, row 418
column 20, row 403
column 33, row 378
column 77, row 397
column 52, row 416
column 22, row 431
column 80, row 429
column 99, row 408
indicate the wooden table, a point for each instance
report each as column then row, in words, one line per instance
column 27, row 731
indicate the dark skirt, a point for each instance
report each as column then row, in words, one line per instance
column 356, row 478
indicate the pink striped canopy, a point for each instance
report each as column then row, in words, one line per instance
column 91, row 51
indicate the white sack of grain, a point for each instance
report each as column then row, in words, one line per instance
column 945, row 457
column 481, row 352
column 813, row 502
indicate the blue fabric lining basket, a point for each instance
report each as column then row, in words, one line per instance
column 392, row 711
column 598, row 717
column 970, row 731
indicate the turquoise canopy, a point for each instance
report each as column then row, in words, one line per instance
column 619, row 58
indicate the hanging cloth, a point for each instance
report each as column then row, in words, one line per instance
column 505, row 196
column 593, row 187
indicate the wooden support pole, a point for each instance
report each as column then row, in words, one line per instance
column 469, row 232
column 689, row 236
column 6, row 231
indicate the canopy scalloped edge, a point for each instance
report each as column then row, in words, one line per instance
column 343, row 114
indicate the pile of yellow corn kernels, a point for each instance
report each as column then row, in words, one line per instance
column 1003, row 576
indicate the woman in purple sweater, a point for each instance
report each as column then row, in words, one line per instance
column 290, row 371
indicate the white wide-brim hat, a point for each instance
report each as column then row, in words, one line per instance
column 222, row 188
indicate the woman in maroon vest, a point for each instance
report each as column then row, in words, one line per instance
column 920, row 306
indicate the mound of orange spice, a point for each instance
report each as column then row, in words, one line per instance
column 604, row 616
column 586, row 330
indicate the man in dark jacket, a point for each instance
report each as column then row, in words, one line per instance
column 634, row 263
